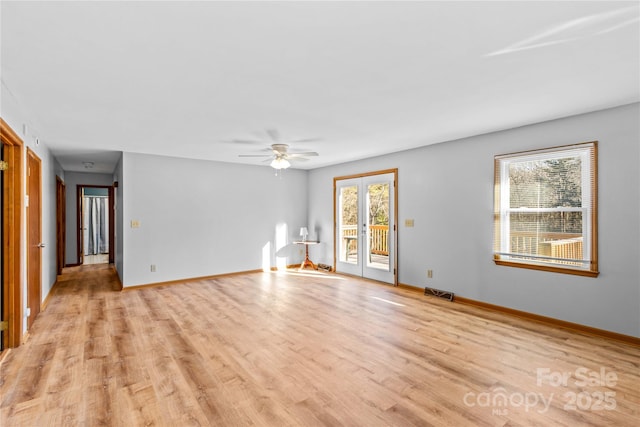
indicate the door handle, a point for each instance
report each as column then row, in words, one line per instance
column 41, row 245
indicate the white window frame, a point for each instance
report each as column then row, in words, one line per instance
column 502, row 233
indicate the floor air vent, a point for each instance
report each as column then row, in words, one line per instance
column 324, row 267
column 438, row 293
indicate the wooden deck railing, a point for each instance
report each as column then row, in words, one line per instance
column 565, row 248
column 379, row 235
column 554, row 245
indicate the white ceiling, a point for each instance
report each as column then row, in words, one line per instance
column 364, row 78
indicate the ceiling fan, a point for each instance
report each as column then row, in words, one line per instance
column 280, row 156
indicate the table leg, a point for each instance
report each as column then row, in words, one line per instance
column 307, row 262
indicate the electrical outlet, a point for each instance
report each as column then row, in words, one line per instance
column 153, row 268
column 429, row 274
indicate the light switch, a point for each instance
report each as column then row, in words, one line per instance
column 135, row 223
column 408, row 223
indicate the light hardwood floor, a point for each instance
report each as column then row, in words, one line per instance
column 307, row 349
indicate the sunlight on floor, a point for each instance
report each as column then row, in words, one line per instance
column 266, row 257
column 281, row 241
column 388, row 302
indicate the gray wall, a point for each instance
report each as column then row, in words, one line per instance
column 200, row 218
column 448, row 190
column 72, row 180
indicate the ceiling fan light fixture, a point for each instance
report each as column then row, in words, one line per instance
column 280, row 163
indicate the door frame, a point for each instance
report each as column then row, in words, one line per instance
column 393, row 231
column 13, row 204
column 79, row 219
column 61, row 224
column 34, row 221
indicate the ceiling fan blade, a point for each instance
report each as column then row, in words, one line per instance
column 254, row 155
column 306, row 153
column 297, row 159
column 245, row 141
column 273, row 134
column 306, row 140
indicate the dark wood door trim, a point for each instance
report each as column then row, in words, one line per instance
column 13, row 203
column 61, row 232
column 112, row 226
column 79, row 231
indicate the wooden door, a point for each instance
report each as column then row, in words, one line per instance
column 34, row 236
column 80, row 223
column 12, row 208
column 112, row 226
column 3, row 326
column 60, row 224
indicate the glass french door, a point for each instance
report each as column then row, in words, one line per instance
column 365, row 226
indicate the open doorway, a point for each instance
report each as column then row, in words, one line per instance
column 95, row 224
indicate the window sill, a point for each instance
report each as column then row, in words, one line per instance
column 573, row 271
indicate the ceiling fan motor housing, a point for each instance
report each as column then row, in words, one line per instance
column 279, row 148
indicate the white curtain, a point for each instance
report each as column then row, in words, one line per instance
column 96, row 222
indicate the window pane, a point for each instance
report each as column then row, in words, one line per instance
column 349, row 224
column 378, row 228
column 546, row 222
column 557, row 236
column 546, row 183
